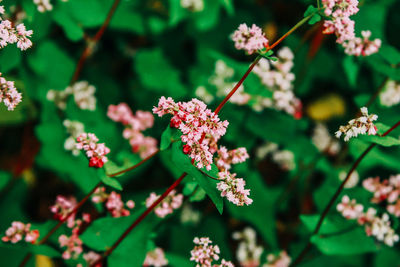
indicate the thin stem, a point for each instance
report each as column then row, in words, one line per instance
column 337, row 193
column 134, row 166
column 239, row 83
column 209, row 176
column 61, row 222
column 92, row 42
column 140, row 218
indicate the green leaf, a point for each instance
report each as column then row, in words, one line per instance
column 350, row 242
column 381, row 140
column 351, row 69
column 228, row 4
column 10, row 56
column 198, row 195
column 310, row 10
column 314, row 19
column 168, row 136
column 390, row 54
column 110, row 181
column 183, row 162
column 175, row 260
column 164, row 78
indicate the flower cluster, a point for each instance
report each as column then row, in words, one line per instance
column 390, row 95
column 248, row 252
column 94, row 151
column 43, row 5
column 226, row 157
column 280, row 260
column 18, row 231
column 155, row 258
column 134, row 126
column 73, row 246
column 361, row 125
column 113, row 202
column 249, row 39
column 8, row 93
column 204, row 254
column 376, row 226
column 388, row 190
column 284, row 158
column 10, row 34
column 343, row 27
column 233, row 189
column 352, row 181
column 280, row 82
column 200, row 127
column 324, row 141
column 172, row 202
column 193, row 5
column 91, row 257
column 62, row 209
column 83, row 94
column 74, row 129
column 189, row 215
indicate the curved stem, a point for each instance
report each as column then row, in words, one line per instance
column 337, row 193
column 134, row 166
column 209, row 176
column 61, row 222
column 140, row 218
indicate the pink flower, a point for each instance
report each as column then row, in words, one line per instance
column 113, row 202
column 11, row 35
column 201, row 128
column 91, row 257
column 134, row 125
column 361, row 125
column 18, row 231
column 171, row 202
column 155, row 258
column 62, row 209
column 349, row 208
column 94, row 151
column 9, row 94
column 73, row 244
column 225, row 158
column 233, row 189
column 204, row 253
column 249, row 39
column 280, row 260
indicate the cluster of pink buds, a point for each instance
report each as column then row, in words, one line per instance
column 62, row 209
column 113, row 202
column 248, row 252
column 10, row 34
column 280, row 82
column 155, row 258
column 9, row 94
column 18, row 231
column 249, row 39
column 94, row 151
column 201, row 128
column 233, row 189
column 226, row 157
column 376, row 226
column 204, row 254
column 172, row 202
column 280, row 260
column 343, row 27
column 73, row 246
column 91, row 257
column 388, row 190
column 361, row 125
column 134, row 126
column 390, row 94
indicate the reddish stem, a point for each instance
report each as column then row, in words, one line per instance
column 134, row 166
column 336, row 195
column 92, row 42
column 140, row 218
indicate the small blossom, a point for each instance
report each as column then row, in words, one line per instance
column 280, row 260
column 11, row 35
column 43, row 5
column 9, row 94
column 248, row 252
column 91, row 257
column 226, row 158
column 155, row 258
column 361, row 125
column 82, row 92
column 113, row 202
column 73, row 246
column 18, row 231
column 349, row 208
column 323, row 141
column 204, row 253
column 352, row 181
column 233, row 189
column 284, row 158
column 189, row 215
column 390, row 94
column 193, row 5
column 94, row 151
column 74, row 129
column 62, row 209
column 171, row 202
column 249, row 39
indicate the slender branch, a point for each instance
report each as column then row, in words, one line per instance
column 92, row 42
column 140, row 218
column 337, row 193
column 209, row 176
column 134, row 166
column 61, row 222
